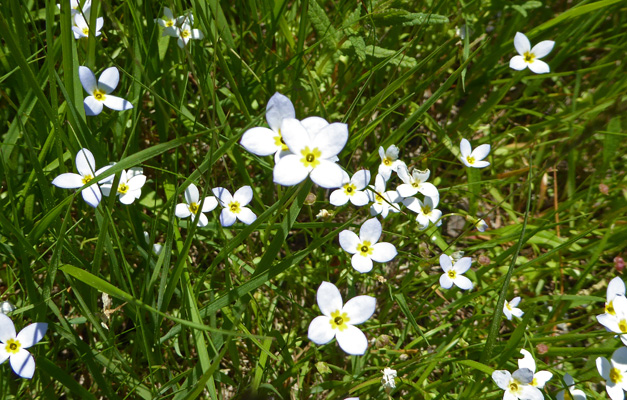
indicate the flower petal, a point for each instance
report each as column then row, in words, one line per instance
column 616, row 287
column 515, row 301
column 481, row 164
column 209, row 204
column 7, row 329
column 259, row 141
column 462, row 265
column 327, row 175
column 92, row 195
column 191, row 194
column 527, row 361
column 223, row 195
column 227, row 218
column 329, row 298
column 4, row 355
column 182, row 210
column 202, row 220
column 68, row 181
column 313, row 125
column 541, row 378
column 197, row 34
column 32, row 334
column 406, row 190
column 92, row 106
column 539, row 67
column 88, row 79
column 528, row 392
column 349, row 241
column 331, row 139
column 361, row 179
column 320, row 330
column 352, row 340
column 359, row 199
column 109, row 79
column 464, row 148
column 289, row 171
column 445, row 262
column 136, row 182
column 619, row 358
column 383, row 252
column 294, row 135
column 246, row 215
column 502, row 378
column 481, row 152
column 339, row 198
column 23, row 364
column 428, row 189
column 359, row 309
column 243, row 195
column 361, row 264
column 518, row 63
column 370, row 231
column 521, row 43
column 543, row 48
column 463, row 282
column 279, row 107
column 615, row 391
column 117, row 103
column 445, row 281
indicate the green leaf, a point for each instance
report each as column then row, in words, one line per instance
column 394, row 16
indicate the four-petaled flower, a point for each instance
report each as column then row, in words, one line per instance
column 616, row 322
column 453, row 272
column 352, row 189
column 540, row 378
column 86, row 167
column 426, row 210
column 338, row 319
column 100, row 91
column 185, row 33
column 169, row 23
column 529, row 57
column 569, row 393
column 312, row 155
column 263, row 141
column 383, row 202
column 81, row 28
column 416, row 182
column 517, row 385
column 129, row 187
column 510, row 310
column 235, row 206
column 615, row 373
column 389, row 161
column 474, row 158
column 192, row 207
column 13, row 347
column 615, row 288
column 365, row 248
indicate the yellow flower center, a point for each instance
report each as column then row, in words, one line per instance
column 534, row 382
column 13, row 346
column 338, row 320
column 278, row 141
column 234, row 207
column 426, row 210
column 508, row 306
column 365, row 248
column 567, row 395
column 529, row 57
column 169, row 23
column 471, row 160
column 616, row 376
column 122, row 188
column 514, row 387
column 185, row 33
column 87, row 178
column 387, row 162
column 193, row 208
column 86, row 31
column 452, row 274
column 609, row 308
column 378, row 198
column 622, row 325
column 349, row 189
column 99, row 95
column 310, row 157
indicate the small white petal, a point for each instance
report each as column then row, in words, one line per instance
column 481, row 152
column 481, row 164
column 289, row 171
column 182, row 210
column 502, row 378
column 243, row 195
column 521, row 43
column 383, row 252
column 23, row 364
column 227, row 218
column 515, row 301
column 370, row 231
column 361, row 179
column 530, row 393
column 295, row 135
column 191, row 194
column 518, row 63
column 320, row 330
column 202, row 220
column 92, row 195
column 88, row 79
column 223, row 195
column 109, row 79
column 246, row 216
column 32, row 334
column 329, row 298
column 539, row 67
column 463, row 282
column 462, row 265
column 197, row 34
column 615, row 391
column 349, row 241
column 331, row 139
column 361, row 264
column 445, row 281
column 359, row 309
column 428, row 189
column 117, row 103
column 327, row 175
column 7, row 329
column 92, row 106
column 352, row 340
column 260, row 141
column 209, row 204
column 279, row 107
column 543, row 48
column 406, row 190
column 527, row 361
column 313, row 125
column 339, row 198
column 541, row 378
column 445, row 262
column 68, row 181
column 465, row 148
column 359, row 199
column 616, row 287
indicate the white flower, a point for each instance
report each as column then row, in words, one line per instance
column 416, row 182
column 473, row 158
column 86, row 167
column 13, row 347
column 192, row 207
column 352, row 189
column 185, row 32
column 540, row 378
column 510, row 310
column 169, row 23
column 516, row 385
column 383, row 202
column 365, row 248
column 75, row 7
column 481, row 225
column 615, row 373
column 100, row 91
column 389, row 161
column 6, row 307
column 81, row 28
column 453, row 273
column 338, row 320
column 615, row 288
column 156, row 248
column 529, row 57
column 569, row 393
column 234, row 206
column 426, row 211
column 263, row 141
column 616, row 322
column 387, row 381
column 129, row 186
column 312, row 155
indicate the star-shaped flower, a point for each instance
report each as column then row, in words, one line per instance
column 615, row 373
column 426, row 210
column 192, row 205
column 540, row 378
column 338, row 319
column 389, row 161
column 311, row 156
column 416, row 182
column 453, row 272
column 474, row 158
column 81, row 28
column 510, row 308
column 234, row 206
column 352, row 189
column 365, row 248
column 383, row 202
column 616, row 322
column 517, row 385
column 185, row 33
column 100, row 91
column 86, row 167
column 13, row 347
column 129, row 186
column 529, row 57
column 169, row 23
